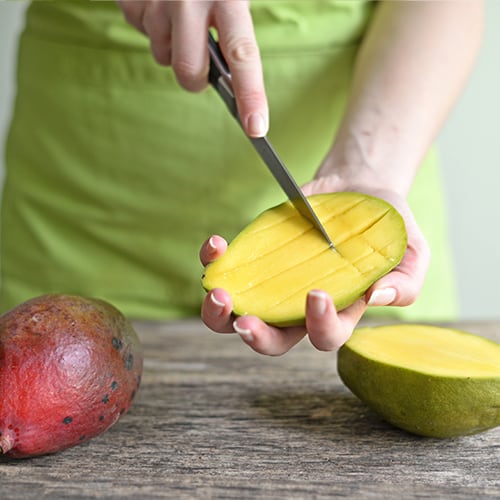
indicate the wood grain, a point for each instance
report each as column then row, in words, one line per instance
column 215, row 420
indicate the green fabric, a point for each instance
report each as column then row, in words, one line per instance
column 115, row 175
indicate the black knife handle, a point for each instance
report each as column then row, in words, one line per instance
column 220, row 77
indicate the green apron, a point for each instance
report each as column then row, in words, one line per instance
column 115, row 175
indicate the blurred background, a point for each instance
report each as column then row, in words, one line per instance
column 469, row 146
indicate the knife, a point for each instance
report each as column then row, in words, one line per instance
column 220, row 78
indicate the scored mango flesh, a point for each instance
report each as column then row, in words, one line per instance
column 428, row 380
column 272, row 264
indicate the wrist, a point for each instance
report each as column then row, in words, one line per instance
column 372, row 154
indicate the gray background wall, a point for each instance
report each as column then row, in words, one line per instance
column 470, row 150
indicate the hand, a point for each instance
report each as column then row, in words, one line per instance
column 327, row 329
column 178, row 33
column 402, row 285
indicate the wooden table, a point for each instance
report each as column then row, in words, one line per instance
column 215, row 420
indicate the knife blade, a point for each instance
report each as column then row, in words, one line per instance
column 220, row 79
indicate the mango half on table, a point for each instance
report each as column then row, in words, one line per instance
column 271, row 265
column 428, row 380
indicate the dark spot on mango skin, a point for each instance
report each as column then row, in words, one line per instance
column 114, row 385
column 129, row 361
column 67, row 420
column 117, row 343
column 101, row 418
column 105, row 399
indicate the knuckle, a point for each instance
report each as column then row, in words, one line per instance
column 184, row 69
column 161, row 54
column 189, row 75
column 241, row 51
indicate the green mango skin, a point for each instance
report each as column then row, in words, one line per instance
column 420, row 403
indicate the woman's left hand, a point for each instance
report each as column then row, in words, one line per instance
column 326, row 327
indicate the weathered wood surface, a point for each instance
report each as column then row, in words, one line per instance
column 215, row 420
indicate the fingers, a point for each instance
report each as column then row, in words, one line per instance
column 157, row 26
column 189, row 44
column 216, row 311
column 262, row 338
column 402, row 286
column 133, row 11
column 152, row 19
column 266, row 339
column 327, row 329
column 212, row 249
column 239, row 46
column 178, row 34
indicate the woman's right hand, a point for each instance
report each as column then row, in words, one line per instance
column 178, row 35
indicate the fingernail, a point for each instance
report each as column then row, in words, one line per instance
column 318, row 302
column 256, row 125
column 382, row 297
column 244, row 333
column 218, row 303
column 211, row 243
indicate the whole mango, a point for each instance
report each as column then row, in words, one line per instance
column 70, row 367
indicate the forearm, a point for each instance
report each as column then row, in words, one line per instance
column 410, row 70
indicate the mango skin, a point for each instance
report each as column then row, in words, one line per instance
column 421, row 403
column 272, row 264
column 70, row 368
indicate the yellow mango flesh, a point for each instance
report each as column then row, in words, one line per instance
column 272, row 264
column 428, row 380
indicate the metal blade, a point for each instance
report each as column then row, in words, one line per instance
column 220, row 78
column 287, row 183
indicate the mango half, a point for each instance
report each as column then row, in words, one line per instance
column 272, row 264
column 428, row 380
